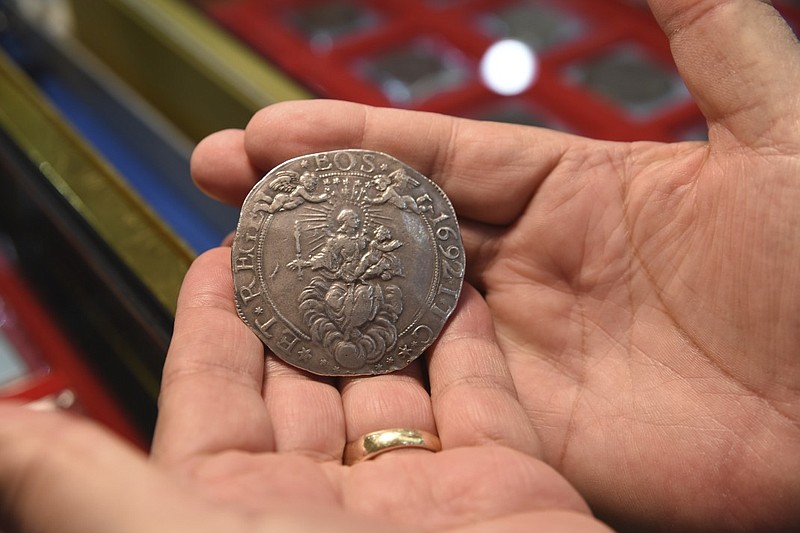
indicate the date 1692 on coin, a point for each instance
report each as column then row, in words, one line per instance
column 347, row 262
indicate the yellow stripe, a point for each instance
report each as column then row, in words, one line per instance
column 148, row 247
column 193, row 72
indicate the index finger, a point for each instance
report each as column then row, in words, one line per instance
column 211, row 396
column 218, row 393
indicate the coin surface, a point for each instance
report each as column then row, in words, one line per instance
column 347, row 262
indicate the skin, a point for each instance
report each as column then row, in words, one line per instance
column 633, row 343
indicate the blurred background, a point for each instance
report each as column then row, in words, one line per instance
column 101, row 102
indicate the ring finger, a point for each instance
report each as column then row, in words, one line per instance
column 397, row 400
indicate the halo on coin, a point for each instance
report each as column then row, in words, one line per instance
column 347, row 263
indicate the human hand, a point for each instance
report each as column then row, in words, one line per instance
column 645, row 295
column 245, row 443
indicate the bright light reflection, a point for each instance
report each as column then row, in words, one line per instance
column 509, row 67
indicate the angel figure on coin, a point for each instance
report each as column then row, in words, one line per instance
column 293, row 191
column 379, row 259
column 389, row 188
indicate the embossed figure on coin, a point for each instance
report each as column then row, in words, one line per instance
column 347, row 262
column 347, row 306
column 380, row 259
column 390, row 187
column 293, row 191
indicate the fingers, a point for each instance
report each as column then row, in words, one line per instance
column 220, row 167
column 490, row 171
column 306, row 412
column 387, row 401
column 741, row 62
column 218, row 393
column 212, row 380
column 63, row 474
column 473, row 394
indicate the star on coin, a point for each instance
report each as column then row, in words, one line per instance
column 259, row 310
column 404, row 351
column 304, row 353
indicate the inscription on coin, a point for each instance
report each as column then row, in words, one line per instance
column 347, row 262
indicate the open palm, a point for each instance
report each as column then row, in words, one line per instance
column 634, row 336
column 247, row 443
column 645, row 295
column 266, row 438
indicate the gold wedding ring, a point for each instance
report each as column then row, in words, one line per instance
column 373, row 444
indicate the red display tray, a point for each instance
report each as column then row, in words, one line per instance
column 604, row 68
column 41, row 368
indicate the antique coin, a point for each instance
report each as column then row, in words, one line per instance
column 347, row 262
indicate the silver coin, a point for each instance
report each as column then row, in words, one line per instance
column 347, row 263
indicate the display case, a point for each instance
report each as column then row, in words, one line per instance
column 40, row 367
column 102, row 101
column 602, row 68
column 96, row 201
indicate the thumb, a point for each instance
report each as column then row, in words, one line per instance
column 741, row 62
